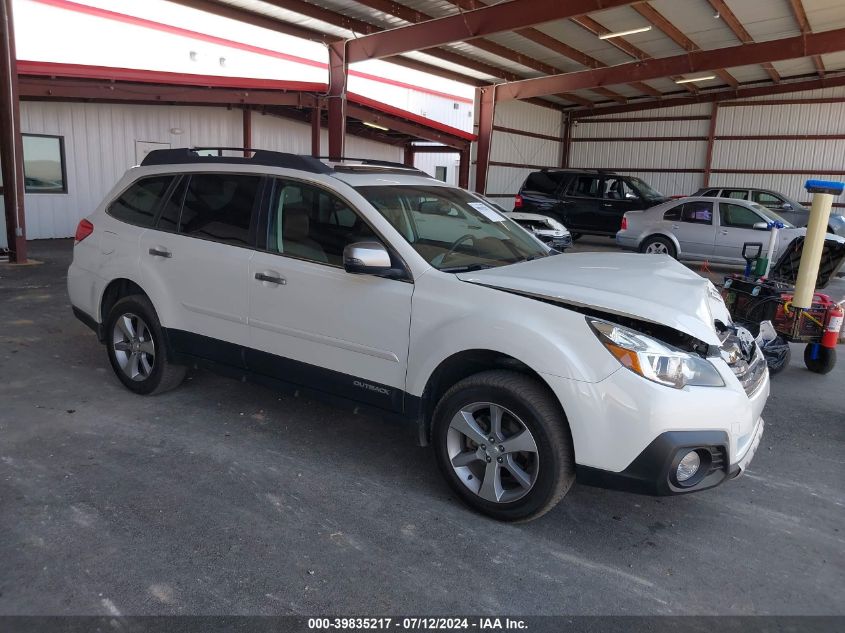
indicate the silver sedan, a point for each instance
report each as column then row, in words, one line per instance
column 700, row 228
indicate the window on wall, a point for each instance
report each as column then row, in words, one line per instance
column 440, row 173
column 44, row 164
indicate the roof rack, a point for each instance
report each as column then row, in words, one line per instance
column 372, row 162
column 191, row 155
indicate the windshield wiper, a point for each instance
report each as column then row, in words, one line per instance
column 466, row 269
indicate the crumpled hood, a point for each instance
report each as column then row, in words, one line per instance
column 654, row 288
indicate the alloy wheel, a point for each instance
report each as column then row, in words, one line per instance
column 492, row 452
column 133, row 345
column 657, row 248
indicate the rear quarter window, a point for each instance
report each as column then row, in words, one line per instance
column 140, row 202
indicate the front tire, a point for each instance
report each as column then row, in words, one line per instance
column 657, row 245
column 503, row 444
column 136, row 348
column 824, row 361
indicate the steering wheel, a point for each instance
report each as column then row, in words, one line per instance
column 455, row 244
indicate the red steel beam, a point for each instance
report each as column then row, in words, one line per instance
column 486, row 99
column 463, row 169
column 336, row 98
column 721, row 96
column 598, row 29
column 742, row 35
column 316, row 127
column 404, row 126
column 11, row 165
column 676, row 35
column 470, row 25
column 247, row 130
column 696, row 61
column 711, row 138
column 804, row 24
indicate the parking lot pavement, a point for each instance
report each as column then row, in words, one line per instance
column 222, row 497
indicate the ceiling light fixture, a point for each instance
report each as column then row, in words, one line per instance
column 694, row 79
column 376, row 126
column 641, row 29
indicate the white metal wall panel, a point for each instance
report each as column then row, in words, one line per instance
column 639, row 154
column 505, row 181
column 429, row 162
column 780, row 155
column 627, row 129
column 524, row 150
column 810, row 118
column 100, row 147
column 529, row 118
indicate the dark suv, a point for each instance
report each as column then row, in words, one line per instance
column 586, row 201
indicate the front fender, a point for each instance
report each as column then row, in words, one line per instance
column 450, row 316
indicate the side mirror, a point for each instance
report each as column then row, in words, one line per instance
column 760, row 226
column 786, row 206
column 366, row 258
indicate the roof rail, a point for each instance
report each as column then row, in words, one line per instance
column 186, row 155
column 372, row 161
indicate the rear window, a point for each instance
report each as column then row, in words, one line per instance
column 543, row 182
column 697, row 212
column 219, row 207
column 138, row 204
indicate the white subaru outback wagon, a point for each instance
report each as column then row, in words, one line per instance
column 377, row 285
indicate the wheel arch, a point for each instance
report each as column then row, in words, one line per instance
column 463, row 364
column 116, row 290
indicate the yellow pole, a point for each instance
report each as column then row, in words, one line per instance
column 808, row 269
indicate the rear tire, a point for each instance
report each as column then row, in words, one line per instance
column 824, row 361
column 657, row 245
column 137, row 350
column 527, row 467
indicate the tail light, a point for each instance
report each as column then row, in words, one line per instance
column 83, row 230
column 624, row 223
column 517, row 202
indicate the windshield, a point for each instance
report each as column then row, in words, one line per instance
column 645, row 189
column 451, row 229
column 771, row 215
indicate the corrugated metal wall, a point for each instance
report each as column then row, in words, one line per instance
column 100, row 146
column 504, row 181
column 429, row 163
column 677, row 166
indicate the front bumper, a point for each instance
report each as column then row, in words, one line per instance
column 653, row 471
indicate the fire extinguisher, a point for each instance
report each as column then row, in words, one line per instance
column 834, row 324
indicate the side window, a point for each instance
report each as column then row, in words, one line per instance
column 739, row 194
column 766, row 199
column 168, row 217
column 710, row 193
column 618, row 189
column 585, row 187
column 697, row 212
column 737, row 216
column 310, row 223
column 673, row 215
column 138, row 204
column 542, row 182
column 219, row 207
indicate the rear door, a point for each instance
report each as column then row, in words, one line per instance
column 736, row 224
column 694, row 227
column 195, row 263
column 540, row 193
column 584, row 200
column 311, row 322
column 617, row 198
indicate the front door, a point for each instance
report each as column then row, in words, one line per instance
column 694, row 228
column 311, row 322
column 195, row 263
column 736, row 224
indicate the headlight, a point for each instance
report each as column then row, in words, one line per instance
column 654, row 360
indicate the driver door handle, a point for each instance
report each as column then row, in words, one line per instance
column 273, row 279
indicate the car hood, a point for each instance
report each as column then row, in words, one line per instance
column 653, row 288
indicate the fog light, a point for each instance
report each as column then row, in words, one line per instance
column 688, row 466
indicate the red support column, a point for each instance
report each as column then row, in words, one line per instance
column 337, row 98
column 463, row 169
column 11, row 146
column 711, row 137
column 409, row 155
column 316, row 127
column 247, row 129
column 487, row 106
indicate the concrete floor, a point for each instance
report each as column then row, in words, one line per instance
column 223, row 498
